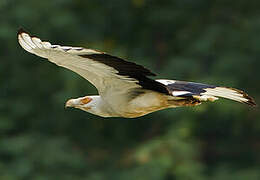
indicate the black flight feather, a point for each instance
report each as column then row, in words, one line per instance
column 129, row 69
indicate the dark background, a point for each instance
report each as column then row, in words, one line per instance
column 214, row 42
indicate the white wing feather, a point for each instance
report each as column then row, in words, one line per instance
column 103, row 77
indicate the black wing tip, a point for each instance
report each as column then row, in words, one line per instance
column 250, row 101
column 21, row 30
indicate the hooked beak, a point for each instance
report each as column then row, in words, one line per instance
column 70, row 103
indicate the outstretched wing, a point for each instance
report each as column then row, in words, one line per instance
column 109, row 74
column 205, row 92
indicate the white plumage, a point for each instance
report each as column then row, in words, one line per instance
column 124, row 87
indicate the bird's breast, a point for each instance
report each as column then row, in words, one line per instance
column 144, row 104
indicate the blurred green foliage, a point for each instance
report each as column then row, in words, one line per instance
column 215, row 42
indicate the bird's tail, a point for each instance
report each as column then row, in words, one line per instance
column 204, row 92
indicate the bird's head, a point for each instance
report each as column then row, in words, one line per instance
column 91, row 104
column 84, row 103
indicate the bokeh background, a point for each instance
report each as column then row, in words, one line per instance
column 214, row 42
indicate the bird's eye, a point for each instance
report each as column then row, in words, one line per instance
column 85, row 100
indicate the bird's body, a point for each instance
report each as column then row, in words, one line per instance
column 125, row 90
column 145, row 103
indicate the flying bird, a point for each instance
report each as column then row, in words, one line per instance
column 125, row 89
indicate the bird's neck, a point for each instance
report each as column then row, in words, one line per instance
column 100, row 107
